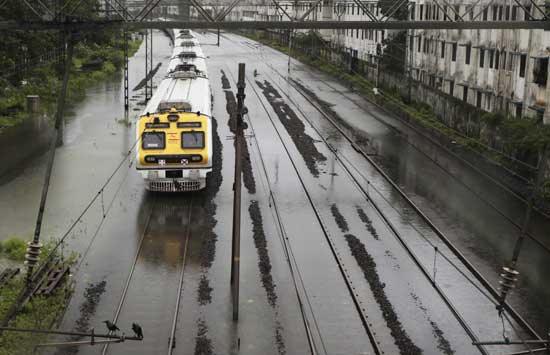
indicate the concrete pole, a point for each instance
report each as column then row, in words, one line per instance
column 236, row 238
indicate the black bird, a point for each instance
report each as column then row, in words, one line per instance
column 137, row 329
column 111, row 326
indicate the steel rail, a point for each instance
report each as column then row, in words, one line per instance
column 386, row 220
column 131, row 274
column 453, row 154
column 517, row 317
column 172, row 341
column 287, row 249
column 379, row 25
column 459, row 158
column 360, row 309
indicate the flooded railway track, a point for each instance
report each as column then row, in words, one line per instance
column 521, row 199
column 361, row 310
column 137, row 282
column 348, row 166
column 431, row 226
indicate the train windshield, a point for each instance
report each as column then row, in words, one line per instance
column 192, row 140
column 153, row 140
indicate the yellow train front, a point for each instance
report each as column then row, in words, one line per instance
column 175, row 130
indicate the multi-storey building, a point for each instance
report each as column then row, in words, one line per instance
column 495, row 70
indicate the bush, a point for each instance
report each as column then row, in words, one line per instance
column 14, row 248
column 493, row 118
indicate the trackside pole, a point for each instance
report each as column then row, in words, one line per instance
column 236, row 238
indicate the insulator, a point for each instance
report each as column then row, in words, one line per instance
column 33, row 253
column 508, row 280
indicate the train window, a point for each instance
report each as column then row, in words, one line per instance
column 192, row 140
column 153, row 140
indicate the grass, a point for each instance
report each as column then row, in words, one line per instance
column 41, row 312
column 45, row 81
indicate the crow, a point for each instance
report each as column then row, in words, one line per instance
column 137, row 329
column 111, row 326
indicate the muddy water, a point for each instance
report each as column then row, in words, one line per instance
column 15, row 147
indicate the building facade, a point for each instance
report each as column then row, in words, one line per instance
column 494, row 70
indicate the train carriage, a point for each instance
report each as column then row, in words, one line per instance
column 175, row 129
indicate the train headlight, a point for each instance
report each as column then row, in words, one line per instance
column 150, row 159
column 196, row 158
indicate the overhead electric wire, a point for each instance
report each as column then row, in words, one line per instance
column 422, row 235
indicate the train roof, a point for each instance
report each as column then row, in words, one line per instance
column 197, row 50
column 183, row 33
column 186, row 42
column 198, row 63
column 190, row 95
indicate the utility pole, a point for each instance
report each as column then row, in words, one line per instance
column 146, row 64
column 509, row 277
column 236, row 240
column 33, row 249
column 126, row 89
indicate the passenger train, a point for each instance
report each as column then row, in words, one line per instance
column 174, row 131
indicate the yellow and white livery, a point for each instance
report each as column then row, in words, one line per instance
column 175, row 129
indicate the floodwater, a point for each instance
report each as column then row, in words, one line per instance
column 290, row 170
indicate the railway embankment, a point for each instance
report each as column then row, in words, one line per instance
column 503, row 149
column 24, row 133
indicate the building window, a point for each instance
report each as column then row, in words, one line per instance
column 522, row 65
column 457, row 10
column 419, row 43
column 514, row 13
column 353, row 9
column 497, row 58
column 453, row 58
column 500, row 13
column 485, row 11
column 413, row 12
column 491, row 57
column 495, row 11
column 451, row 88
column 507, row 12
column 468, row 53
column 465, row 94
column 481, row 57
column 411, row 42
column 421, row 10
column 527, row 13
column 503, row 55
column 478, row 99
column 442, row 49
column 540, row 71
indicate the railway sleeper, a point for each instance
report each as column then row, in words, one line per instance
column 51, row 280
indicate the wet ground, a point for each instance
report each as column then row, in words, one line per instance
column 328, row 250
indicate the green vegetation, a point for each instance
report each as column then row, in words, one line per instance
column 31, row 62
column 14, row 248
column 40, row 312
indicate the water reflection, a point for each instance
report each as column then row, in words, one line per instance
column 463, row 215
column 173, row 219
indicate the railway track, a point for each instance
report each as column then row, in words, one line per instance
column 515, row 315
column 359, row 306
column 132, row 278
column 346, row 165
column 451, row 153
